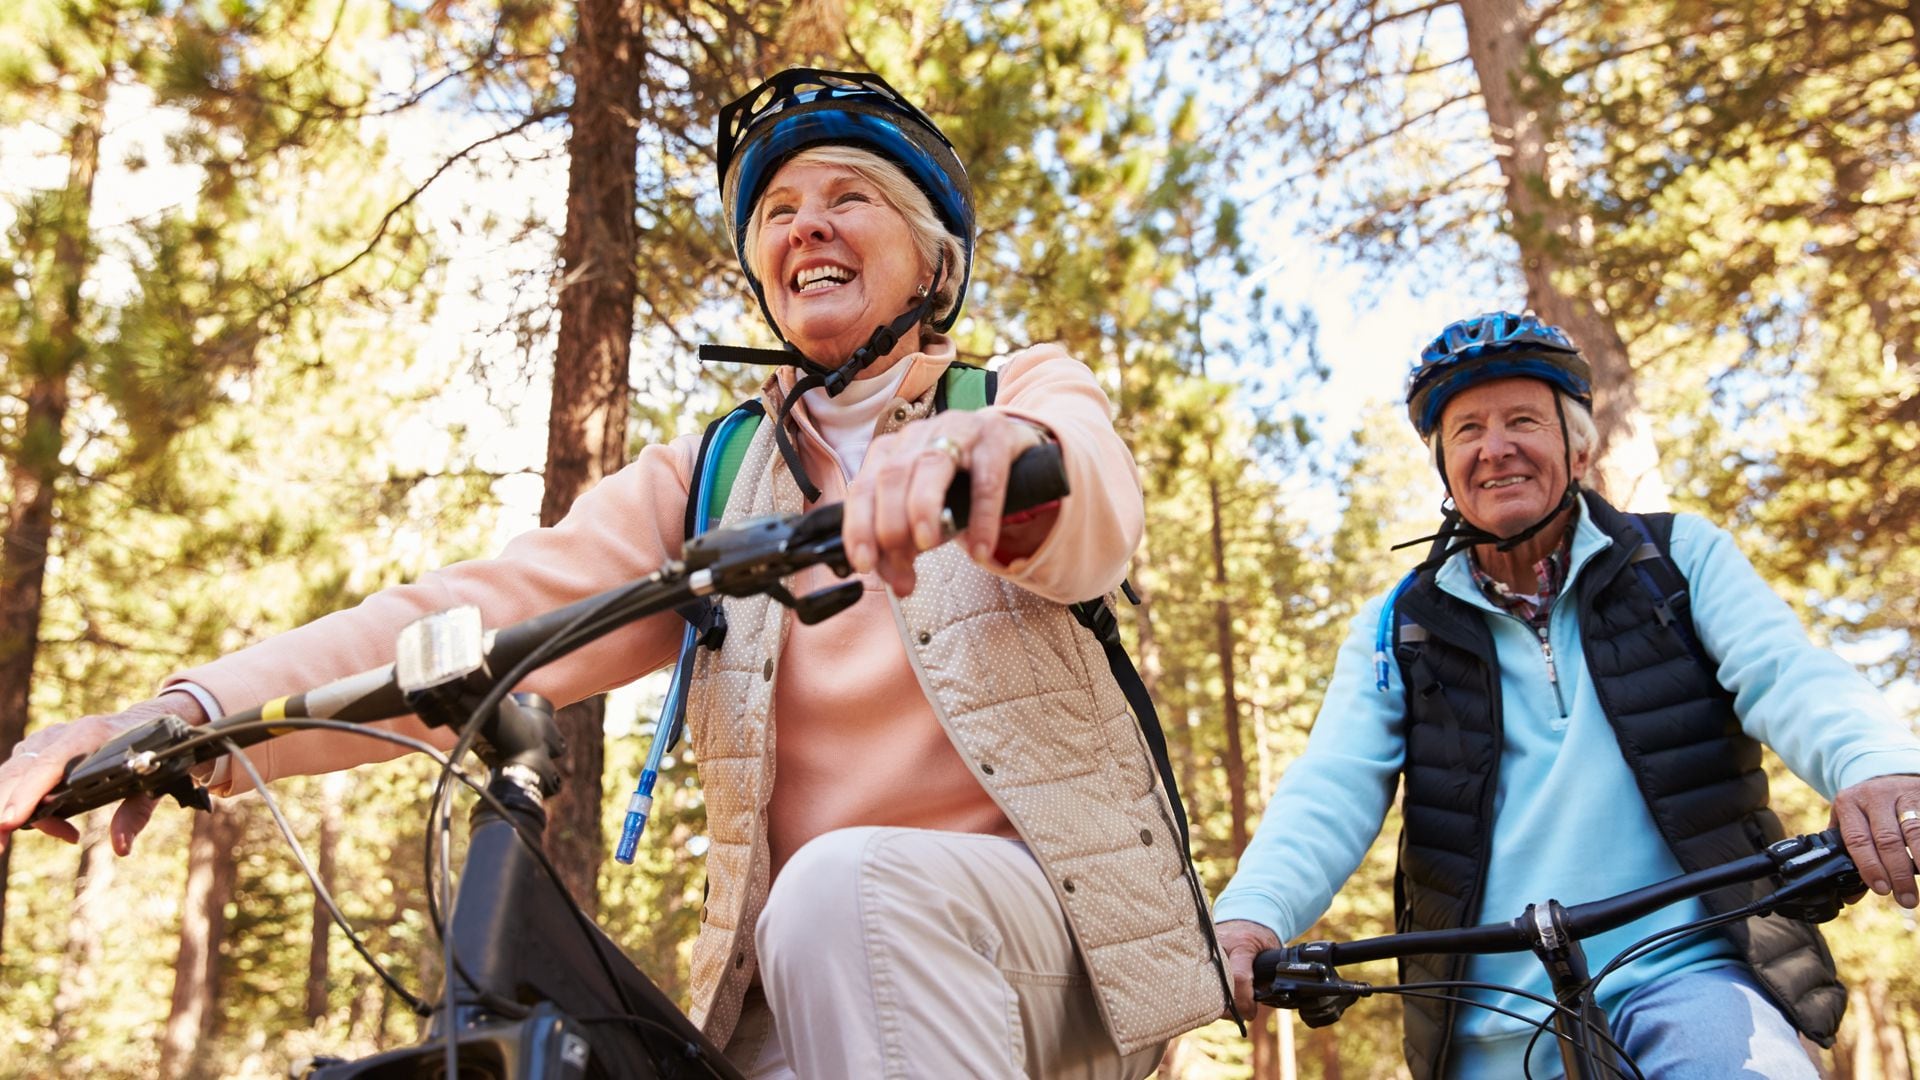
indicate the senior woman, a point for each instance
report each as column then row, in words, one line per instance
column 939, row 847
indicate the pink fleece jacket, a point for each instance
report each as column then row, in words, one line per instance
column 859, row 743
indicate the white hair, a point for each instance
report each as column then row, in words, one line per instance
column 934, row 244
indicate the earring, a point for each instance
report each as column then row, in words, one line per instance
column 921, row 291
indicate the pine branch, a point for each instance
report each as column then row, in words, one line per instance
column 1319, row 167
column 387, row 219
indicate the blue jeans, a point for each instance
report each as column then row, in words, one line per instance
column 1710, row 1025
column 1715, row 1024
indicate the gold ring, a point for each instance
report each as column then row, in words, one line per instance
column 1909, row 815
column 942, row 444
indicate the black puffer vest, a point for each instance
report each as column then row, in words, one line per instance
column 1699, row 773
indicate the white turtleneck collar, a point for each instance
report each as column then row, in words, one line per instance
column 847, row 422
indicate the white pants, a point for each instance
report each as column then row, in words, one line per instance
column 891, row 952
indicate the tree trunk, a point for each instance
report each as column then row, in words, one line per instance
column 587, row 421
column 35, row 472
column 1326, row 1046
column 203, row 924
column 1235, row 756
column 1289, row 1053
column 321, row 932
column 1522, row 113
column 80, row 977
column 1261, row 1032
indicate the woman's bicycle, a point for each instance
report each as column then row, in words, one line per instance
column 532, row 989
column 1815, row 879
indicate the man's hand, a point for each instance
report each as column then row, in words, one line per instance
column 1880, row 821
column 40, row 762
column 1241, row 940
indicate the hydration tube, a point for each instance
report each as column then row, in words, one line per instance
column 673, row 712
column 1383, row 637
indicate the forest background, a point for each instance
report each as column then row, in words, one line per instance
column 300, row 298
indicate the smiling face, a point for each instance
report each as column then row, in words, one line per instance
column 835, row 259
column 1505, row 454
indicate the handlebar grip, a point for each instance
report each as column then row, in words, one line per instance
column 1036, row 478
column 1265, row 963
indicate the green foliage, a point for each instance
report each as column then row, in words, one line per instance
column 246, row 359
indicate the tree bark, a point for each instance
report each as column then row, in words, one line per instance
column 35, row 471
column 93, row 876
column 1266, row 1049
column 1235, row 754
column 203, row 924
column 587, row 421
column 318, row 962
column 1523, row 114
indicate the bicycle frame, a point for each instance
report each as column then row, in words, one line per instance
column 1816, row 874
column 519, row 941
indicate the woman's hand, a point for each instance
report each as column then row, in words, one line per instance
column 893, row 508
column 40, row 762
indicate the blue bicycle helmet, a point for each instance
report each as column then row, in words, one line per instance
column 1497, row 345
column 805, row 107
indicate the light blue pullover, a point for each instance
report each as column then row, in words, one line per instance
column 1569, row 821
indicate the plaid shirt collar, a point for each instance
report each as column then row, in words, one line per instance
column 1530, row 608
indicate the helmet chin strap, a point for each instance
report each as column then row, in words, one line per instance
column 815, row 374
column 1456, row 533
column 879, row 343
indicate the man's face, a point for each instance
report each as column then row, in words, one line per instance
column 1504, row 454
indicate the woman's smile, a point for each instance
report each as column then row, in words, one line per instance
column 842, row 256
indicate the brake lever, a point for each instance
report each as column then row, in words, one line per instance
column 1304, row 982
column 1819, row 876
column 129, row 764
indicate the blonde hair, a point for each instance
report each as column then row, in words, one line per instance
column 931, row 240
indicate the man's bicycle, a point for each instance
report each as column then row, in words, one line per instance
column 1814, row 875
column 531, row 988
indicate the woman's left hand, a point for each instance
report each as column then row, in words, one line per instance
column 893, row 507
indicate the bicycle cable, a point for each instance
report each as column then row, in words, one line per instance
column 440, row 813
column 415, row 1004
column 1541, row 1027
column 224, row 736
column 1653, row 941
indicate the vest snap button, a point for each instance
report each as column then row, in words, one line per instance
column 986, row 768
column 900, row 414
column 1067, row 884
column 1146, row 837
column 925, row 637
column 766, row 670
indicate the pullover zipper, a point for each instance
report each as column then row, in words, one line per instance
column 1553, row 671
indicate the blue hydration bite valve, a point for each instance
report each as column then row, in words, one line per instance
column 638, row 807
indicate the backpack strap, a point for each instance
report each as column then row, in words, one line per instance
column 1653, row 563
column 966, row 388
column 715, row 467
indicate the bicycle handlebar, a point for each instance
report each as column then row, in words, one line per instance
column 1815, row 868
column 744, row 559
